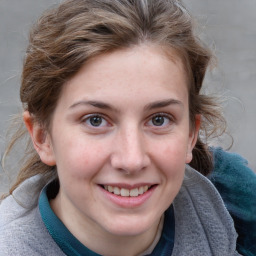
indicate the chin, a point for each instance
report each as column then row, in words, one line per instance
column 131, row 227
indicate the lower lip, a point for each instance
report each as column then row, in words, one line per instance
column 128, row 202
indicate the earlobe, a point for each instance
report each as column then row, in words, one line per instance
column 40, row 138
column 193, row 138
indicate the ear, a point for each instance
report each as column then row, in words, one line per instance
column 40, row 138
column 193, row 138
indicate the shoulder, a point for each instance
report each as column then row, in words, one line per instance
column 203, row 225
column 231, row 163
column 236, row 183
column 22, row 231
column 20, row 203
column 16, row 230
column 27, row 235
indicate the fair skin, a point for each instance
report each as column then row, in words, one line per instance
column 121, row 123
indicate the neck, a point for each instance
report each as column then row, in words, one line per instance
column 124, row 245
column 101, row 241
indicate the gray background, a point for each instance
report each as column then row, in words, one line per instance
column 227, row 25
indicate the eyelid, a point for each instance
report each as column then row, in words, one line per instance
column 164, row 114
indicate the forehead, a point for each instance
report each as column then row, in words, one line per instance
column 153, row 56
column 146, row 71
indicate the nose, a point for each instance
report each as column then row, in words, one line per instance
column 129, row 152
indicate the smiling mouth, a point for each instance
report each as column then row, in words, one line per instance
column 124, row 192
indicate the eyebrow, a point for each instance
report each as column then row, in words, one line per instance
column 150, row 106
column 97, row 104
column 163, row 103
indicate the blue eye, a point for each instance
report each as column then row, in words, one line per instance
column 96, row 121
column 160, row 120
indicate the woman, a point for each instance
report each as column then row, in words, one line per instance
column 112, row 103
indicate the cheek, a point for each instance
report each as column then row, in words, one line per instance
column 174, row 159
column 172, row 152
column 170, row 160
column 171, row 166
column 80, row 160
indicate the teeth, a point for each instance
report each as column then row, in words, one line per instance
column 126, row 192
column 116, row 191
column 141, row 190
column 145, row 188
column 134, row 192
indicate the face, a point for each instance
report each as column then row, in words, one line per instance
column 120, row 138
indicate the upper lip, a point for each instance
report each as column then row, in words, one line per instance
column 128, row 186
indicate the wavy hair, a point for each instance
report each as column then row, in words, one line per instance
column 65, row 37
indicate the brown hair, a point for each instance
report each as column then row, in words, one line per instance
column 65, row 37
